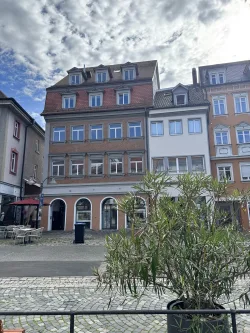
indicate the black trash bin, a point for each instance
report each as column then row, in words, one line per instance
column 79, row 232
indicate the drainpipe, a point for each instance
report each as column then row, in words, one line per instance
column 146, row 141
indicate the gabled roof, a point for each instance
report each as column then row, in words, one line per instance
column 179, row 85
column 2, row 95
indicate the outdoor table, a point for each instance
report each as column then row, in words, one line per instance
column 28, row 231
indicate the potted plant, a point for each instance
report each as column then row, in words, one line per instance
column 187, row 246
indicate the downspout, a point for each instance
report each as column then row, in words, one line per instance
column 146, row 141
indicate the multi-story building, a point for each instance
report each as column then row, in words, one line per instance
column 178, row 131
column 21, row 154
column 95, row 146
column 228, row 90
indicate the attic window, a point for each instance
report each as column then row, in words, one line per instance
column 75, row 79
column 128, row 74
column 181, row 99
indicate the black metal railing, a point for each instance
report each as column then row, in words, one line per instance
column 72, row 314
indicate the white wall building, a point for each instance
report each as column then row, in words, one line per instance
column 178, row 132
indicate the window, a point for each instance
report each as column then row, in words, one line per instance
column 243, row 136
column 156, row 128
column 175, row 127
column 177, row 164
column 77, row 166
column 194, row 126
column 219, row 106
column 116, row 165
column 37, row 146
column 95, row 100
column 13, row 162
column 158, row 164
column 136, row 164
column 69, row 102
column 75, row 79
column 16, row 133
column 96, row 166
column 115, row 131
column 96, row 132
column 217, row 78
column 213, row 78
column 221, row 78
column 58, row 168
column 101, row 77
column 123, row 97
column 135, row 130
column 245, row 172
column 83, row 211
column 128, row 74
column 221, row 138
column 59, row 134
column 35, row 171
column 180, row 99
column 241, row 104
column 77, row 133
column 224, row 172
column 197, row 163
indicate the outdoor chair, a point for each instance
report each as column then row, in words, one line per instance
column 19, row 234
column 3, row 231
column 36, row 234
column 9, row 231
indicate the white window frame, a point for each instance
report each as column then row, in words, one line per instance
column 130, row 125
column 53, row 132
column 217, row 77
column 242, row 129
column 129, row 70
column 203, row 164
column 74, row 158
column 64, row 98
column 185, row 99
column 95, row 95
column 37, row 146
column 115, row 129
column 35, row 168
column 222, row 131
column 158, row 158
column 73, row 81
column 218, row 98
column 96, row 165
column 244, row 164
column 177, row 165
column 96, row 131
column 13, row 164
column 123, row 92
column 101, row 72
column 136, row 164
column 16, row 133
column 116, row 165
column 175, row 120
column 58, row 167
column 225, row 165
column 157, row 122
column 77, row 131
column 247, row 103
column 195, row 119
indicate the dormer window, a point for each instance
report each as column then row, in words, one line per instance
column 180, row 99
column 129, row 74
column 74, row 79
column 217, row 78
column 101, row 77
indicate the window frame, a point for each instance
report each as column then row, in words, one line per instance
column 64, row 97
column 37, row 143
column 245, row 95
column 53, row 134
column 71, row 81
column 91, row 158
column 217, row 77
column 95, row 95
column 177, row 165
column 102, row 72
column 203, row 164
column 216, row 131
column 35, row 168
column 72, row 130
column 142, row 161
column 224, row 165
column 244, row 164
column 115, row 138
column 158, row 158
column 157, row 122
column 110, row 163
column 17, row 135
column 54, row 160
column 175, row 120
column 237, row 135
column 195, row 119
column 218, row 98
column 96, row 130
column 185, row 99
column 128, row 70
column 72, row 158
column 123, row 92
column 15, row 153
column 129, row 125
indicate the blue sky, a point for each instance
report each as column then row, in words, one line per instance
column 41, row 39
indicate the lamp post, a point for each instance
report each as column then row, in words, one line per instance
column 31, row 181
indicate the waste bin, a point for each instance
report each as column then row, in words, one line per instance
column 79, row 232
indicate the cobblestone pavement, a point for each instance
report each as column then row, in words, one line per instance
column 76, row 293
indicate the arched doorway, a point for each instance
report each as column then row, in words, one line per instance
column 83, row 212
column 109, row 214
column 140, row 212
column 58, row 209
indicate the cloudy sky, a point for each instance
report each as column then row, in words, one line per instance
column 41, row 39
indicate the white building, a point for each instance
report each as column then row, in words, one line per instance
column 178, row 132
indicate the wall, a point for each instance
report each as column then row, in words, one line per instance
column 3, row 135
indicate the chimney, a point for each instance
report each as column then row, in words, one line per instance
column 194, row 75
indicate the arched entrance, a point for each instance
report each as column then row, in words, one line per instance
column 58, row 209
column 109, row 214
column 139, row 212
column 83, row 212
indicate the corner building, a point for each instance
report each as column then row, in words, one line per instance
column 95, row 144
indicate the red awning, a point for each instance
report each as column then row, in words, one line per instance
column 28, row 202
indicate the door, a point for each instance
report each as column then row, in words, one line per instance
column 58, row 215
column 109, row 214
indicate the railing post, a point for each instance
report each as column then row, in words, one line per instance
column 233, row 316
column 72, row 323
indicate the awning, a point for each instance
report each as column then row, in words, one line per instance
column 28, row 202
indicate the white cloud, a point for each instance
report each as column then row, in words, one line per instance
column 40, row 120
column 49, row 35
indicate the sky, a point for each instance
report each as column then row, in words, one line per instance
column 41, row 39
